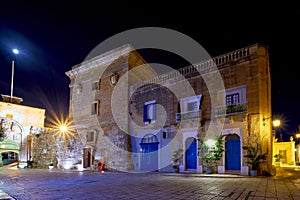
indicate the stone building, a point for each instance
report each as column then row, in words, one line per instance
column 19, row 123
column 98, row 97
column 136, row 119
column 240, row 110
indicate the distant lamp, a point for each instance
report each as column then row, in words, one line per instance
column 276, row 123
column 297, row 137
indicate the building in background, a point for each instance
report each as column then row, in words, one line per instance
column 19, row 123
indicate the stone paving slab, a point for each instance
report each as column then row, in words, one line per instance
column 58, row 184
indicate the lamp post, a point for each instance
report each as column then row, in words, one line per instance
column 15, row 51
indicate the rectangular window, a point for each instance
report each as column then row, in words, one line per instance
column 150, row 112
column 232, row 99
column 90, row 136
column 192, row 103
column 95, row 108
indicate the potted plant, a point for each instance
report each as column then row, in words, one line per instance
column 51, row 165
column 211, row 152
column 255, row 158
column 277, row 159
column 177, row 155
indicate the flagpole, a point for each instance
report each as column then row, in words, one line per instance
column 12, row 79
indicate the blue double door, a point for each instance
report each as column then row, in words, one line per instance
column 149, row 156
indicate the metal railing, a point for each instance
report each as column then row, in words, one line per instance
column 231, row 109
column 190, row 115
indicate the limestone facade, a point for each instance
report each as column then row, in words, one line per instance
column 97, row 109
column 111, row 96
column 241, row 111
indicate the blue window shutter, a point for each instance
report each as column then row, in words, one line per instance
column 145, row 113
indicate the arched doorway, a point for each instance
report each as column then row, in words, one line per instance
column 11, row 142
column 232, row 152
column 191, row 153
column 9, row 152
column 149, row 153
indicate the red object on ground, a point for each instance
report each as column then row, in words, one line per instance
column 101, row 165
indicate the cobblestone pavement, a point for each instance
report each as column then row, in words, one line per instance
column 43, row 184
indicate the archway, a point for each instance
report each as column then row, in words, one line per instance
column 232, row 152
column 9, row 151
column 11, row 142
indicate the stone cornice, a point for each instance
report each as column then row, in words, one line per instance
column 101, row 60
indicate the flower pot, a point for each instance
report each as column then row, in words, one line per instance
column 176, row 169
column 253, row 172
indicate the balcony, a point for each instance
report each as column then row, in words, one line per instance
column 186, row 116
column 231, row 109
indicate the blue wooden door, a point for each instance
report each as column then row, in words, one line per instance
column 232, row 155
column 191, row 153
column 149, row 156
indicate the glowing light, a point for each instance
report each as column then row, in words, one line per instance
column 63, row 128
column 276, row 123
column 298, row 135
column 15, row 51
column 210, row 143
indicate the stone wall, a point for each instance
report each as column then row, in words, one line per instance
column 64, row 152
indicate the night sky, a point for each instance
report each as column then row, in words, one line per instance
column 53, row 37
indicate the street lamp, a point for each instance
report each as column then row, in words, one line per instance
column 276, row 123
column 15, row 51
column 63, row 128
column 297, row 136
